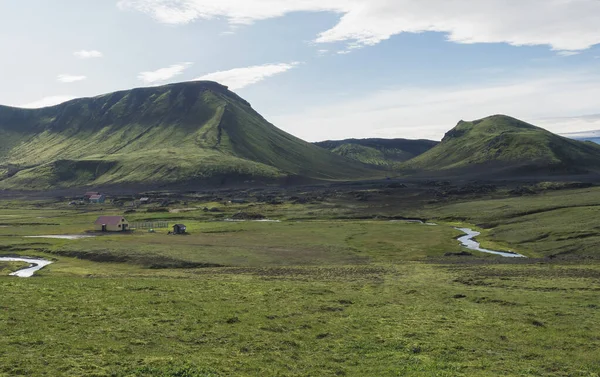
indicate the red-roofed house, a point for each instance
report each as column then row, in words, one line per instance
column 111, row 224
column 89, row 194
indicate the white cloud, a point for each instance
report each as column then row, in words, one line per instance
column 47, row 101
column 564, row 25
column 239, row 78
column 88, row 54
column 593, row 119
column 163, row 74
column 430, row 112
column 578, row 126
column 238, row 12
column 568, row 53
column 70, row 78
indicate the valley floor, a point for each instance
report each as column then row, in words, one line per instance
column 336, row 288
column 412, row 319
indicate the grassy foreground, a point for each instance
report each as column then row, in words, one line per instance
column 11, row 267
column 313, row 295
column 408, row 319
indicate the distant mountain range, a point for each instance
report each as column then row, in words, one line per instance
column 196, row 134
column 593, row 136
column 381, row 152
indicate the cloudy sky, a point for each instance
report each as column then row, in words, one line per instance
column 320, row 69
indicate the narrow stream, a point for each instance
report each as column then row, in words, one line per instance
column 63, row 237
column 34, row 265
column 253, row 221
column 469, row 242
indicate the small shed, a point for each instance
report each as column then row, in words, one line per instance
column 97, row 198
column 144, row 200
column 179, row 229
column 111, row 224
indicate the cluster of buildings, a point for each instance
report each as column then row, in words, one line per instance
column 99, row 198
column 120, row 224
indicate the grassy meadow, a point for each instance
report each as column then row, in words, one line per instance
column 8, row 267
column 320, row 293
column 562, row 223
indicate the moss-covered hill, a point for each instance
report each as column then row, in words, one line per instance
column 507, row 145
column 188, row 133
column 381, row 152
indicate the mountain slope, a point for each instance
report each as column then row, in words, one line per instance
column 196, row 132
column 503, row 144
column 382, row 152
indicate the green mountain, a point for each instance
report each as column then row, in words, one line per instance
column 185, row 134
column 381, row 152
column 501, row 144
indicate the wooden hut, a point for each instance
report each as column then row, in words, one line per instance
column 111, row 224
column 179, row 229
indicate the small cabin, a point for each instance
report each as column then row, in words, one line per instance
column 111, row 224
column 89, row 194
column 144, row 200
column 179, row 229
column 97, row 198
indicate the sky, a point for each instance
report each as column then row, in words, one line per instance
column 320, row 69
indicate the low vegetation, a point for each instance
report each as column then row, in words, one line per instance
column 411, row 319
column 8, row 267
column 551, row 223
column 340, row 286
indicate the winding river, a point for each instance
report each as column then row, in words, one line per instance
column 34, row 265
column 468, row 241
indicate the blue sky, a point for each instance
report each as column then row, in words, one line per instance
column 320, row 69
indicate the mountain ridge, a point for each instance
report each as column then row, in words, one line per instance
column 200, row 133
column 500, row 143
column 194, row 131
column 378, row 151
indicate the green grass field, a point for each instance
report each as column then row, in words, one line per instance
column 8, row 267
column 553, row 223
column 312, row 295
column 409, row 319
